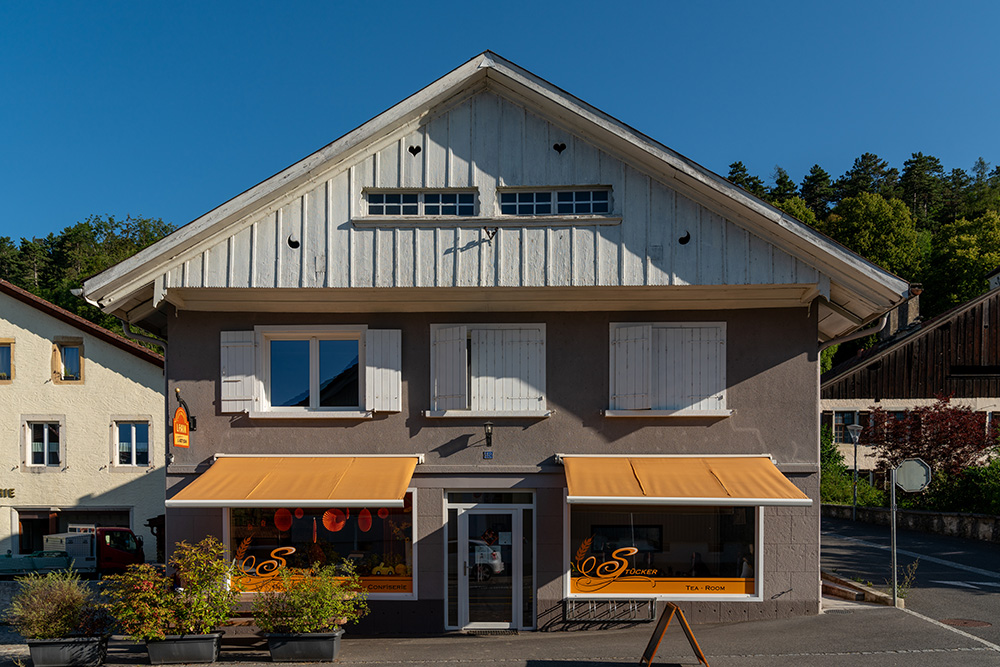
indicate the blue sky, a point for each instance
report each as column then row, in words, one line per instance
column 167, row 110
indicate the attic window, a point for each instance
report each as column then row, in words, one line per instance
column 422, row 203
column 556, row 202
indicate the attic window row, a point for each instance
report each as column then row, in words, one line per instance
column 464, row 203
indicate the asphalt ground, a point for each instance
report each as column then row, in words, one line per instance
column 854, row 634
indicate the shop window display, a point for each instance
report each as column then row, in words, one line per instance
column 668, row 551
column 379, row 541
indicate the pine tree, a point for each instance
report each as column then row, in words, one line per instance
column 871, row 174
column 783, row 188
column 817, row 191
column 738, row 175
column 922, row 185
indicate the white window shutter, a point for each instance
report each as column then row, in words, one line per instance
column 237, row 375
column 691, row 365
column 630, row 366
column 449, row 377
column 383, row 370
column 706, row 347
column 508, row 370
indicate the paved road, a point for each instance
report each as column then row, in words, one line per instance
column 955, row 579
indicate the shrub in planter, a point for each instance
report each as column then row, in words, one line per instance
column 302, row 614
column 148, row 607
column 60, row 617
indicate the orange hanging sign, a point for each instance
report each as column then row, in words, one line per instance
column 181, row 428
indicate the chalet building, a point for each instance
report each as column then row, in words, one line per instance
column 511, row 357
column 955, row 354
column 81, row 426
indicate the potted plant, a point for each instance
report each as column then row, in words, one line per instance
column 178, row 623
column 59, row 616
column 301, row 615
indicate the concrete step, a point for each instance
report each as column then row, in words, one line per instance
column 842, row 592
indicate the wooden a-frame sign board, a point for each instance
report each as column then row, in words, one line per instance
column 661, row 628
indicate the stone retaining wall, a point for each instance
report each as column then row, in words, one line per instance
column 985, row 527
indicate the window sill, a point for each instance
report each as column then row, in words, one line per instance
column 494, row 414
column 315, row 414
column 487, row 221
column 687, row 414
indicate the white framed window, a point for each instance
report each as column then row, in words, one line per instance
column 347, row 371
column 132, row 443
column 667, row 369
column 487, row 370
column 563, row 201
column 430, row 203
column 44, row 446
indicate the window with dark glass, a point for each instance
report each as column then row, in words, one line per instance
column 314, row 372
column 556, row 202
column 133, row 444
column 6, row 361
column 377, row 540
column 443, row 203
column 662, row 550
column 44, row 444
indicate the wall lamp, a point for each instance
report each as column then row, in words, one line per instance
column 488, row 429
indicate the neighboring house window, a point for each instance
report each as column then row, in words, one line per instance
column 445, row 203
column 133, row 443
column 6, row 360
column 665, row 369
column 67, row 361
column 488, row 369
column 44, row 446
column 311, row 371
column 556, row 202
column 841, row 420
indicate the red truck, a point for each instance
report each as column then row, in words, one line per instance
column 89, row 550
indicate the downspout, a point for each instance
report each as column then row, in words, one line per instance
column 134, row 335
column 857, row 334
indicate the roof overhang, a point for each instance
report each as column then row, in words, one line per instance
column 857, row 293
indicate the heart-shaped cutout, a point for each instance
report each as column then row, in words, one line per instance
column 413, row 150
column 559, row 148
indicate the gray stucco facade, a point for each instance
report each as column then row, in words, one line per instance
column 773, row 392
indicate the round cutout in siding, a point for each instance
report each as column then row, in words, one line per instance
column 293, row 242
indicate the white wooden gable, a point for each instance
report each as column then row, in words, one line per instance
column 486, row 142
column 489, row 125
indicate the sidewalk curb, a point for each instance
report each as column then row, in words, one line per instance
column 871, row 595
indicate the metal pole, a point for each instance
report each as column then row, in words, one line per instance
column 854, row 509
column 893, row 537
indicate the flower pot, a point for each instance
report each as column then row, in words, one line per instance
column 178, row 649
column 68, row 651
column 305, row 647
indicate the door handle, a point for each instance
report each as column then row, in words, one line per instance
column 466, row 564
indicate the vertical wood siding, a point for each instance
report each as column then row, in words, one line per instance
column 307, row 239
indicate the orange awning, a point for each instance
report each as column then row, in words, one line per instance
column 303, row 481
column 681, row 480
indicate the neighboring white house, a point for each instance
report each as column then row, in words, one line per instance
column 81, row 425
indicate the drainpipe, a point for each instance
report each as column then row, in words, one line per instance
column 857, row 334
column 134, row 335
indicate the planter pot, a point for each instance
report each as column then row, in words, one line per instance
column 178, row 649
column 68, row 651
column 307, row 647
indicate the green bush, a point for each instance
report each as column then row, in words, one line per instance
column 56, row 604
column 316, row 600
column 975, row 489
column 146, row 605
column 836, row 484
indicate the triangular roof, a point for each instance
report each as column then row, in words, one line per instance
column 86, row 326
column 854, row 291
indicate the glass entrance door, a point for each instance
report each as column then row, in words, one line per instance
column 490, row 568
column 490, row 560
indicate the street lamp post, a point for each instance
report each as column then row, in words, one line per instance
column 855, row 431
